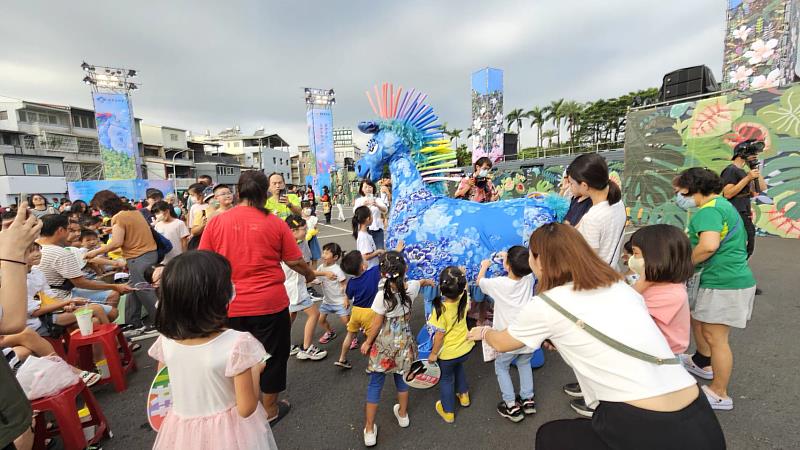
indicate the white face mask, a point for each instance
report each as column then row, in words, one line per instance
column 483, row 173
column 636, row 264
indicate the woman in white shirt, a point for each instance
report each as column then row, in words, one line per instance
column 603, row 225
column 376, row 206
column 638, row 403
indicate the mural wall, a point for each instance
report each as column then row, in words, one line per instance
column 661, row 142
column 760, row 43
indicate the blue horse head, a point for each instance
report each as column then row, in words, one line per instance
column 439, row 231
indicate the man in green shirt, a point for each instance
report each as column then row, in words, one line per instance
column 281, row 203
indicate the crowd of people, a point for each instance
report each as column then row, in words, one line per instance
column 224, row 276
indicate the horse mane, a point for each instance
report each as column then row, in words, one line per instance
column 410, row 118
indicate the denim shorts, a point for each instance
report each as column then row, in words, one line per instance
column 339, row 310
column 302, row 306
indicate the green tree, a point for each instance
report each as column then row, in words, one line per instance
column 454, row 134
column 549, row 135
column 537, row 117
column 571, row 111
column 514, row 119
column 463, row 156
column 554, row 114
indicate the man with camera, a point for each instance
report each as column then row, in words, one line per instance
column 740, row 185
column 478, row 187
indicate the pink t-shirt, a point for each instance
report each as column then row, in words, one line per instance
column 668, row 305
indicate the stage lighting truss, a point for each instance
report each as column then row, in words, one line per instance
column 109, row 79
column 319, row 97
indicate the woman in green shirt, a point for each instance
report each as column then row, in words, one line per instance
column 727, row 287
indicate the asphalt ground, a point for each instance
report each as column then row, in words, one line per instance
column 328, row 402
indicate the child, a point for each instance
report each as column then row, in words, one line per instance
column 299, row 298
column 334, row 300
column 511, row 293
column 311, row 235
column 170, row 227
column 213, row 370
column 389, row 343
column 361, row 290
column 450, row 345
column 631, row 277
column 362, row 219
column 662, row 256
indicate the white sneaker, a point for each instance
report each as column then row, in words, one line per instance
column 717, row 402
column 312, row 353
column 693, row 368
column 402, row 421
column 371, row 437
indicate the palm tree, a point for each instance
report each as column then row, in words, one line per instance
column 514, row 118
column 454, row 134
column 571, row 110
column 549, row 135
column 554, row 114
column 536, row 116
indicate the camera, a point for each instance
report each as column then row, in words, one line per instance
column 748, row 149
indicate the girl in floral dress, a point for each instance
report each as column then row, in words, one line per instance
column 213, row 371
column 390, row 344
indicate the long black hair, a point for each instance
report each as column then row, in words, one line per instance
column 193, row 295
column 452, row 284
column 360, row 216
column 393, row 270
column 591, row 168
column 253, row 186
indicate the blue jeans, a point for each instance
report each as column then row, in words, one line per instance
column 375, row 387
column 501, row 369
column 453, row 379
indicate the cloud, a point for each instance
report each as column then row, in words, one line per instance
column 214, row 65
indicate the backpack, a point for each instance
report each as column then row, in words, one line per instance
column 163, row 245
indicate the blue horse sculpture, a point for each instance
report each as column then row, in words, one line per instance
column 439, row 231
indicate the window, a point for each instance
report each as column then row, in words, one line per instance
column 83, row 121
column 281, row 160
column 3, row 115
column 88, row 145
column 236, row 144
column 273, row 160
column 173, row 137
column 29, row 142
column 32, row 169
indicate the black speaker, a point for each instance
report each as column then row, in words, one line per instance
column 687, row 82
column 510, row 144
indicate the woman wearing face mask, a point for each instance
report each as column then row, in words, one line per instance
column 727, row 287
column 662, row 257
column 478, row 187
column 643, row 398
column 170, row 227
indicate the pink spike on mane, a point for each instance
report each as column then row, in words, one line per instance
column 374, row 109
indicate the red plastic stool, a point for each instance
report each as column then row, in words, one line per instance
column 109, row 336
column 58, row 346
column 68, row 424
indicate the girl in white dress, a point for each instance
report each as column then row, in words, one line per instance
column 213, row 370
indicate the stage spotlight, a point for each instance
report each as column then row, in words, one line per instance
column 131, row 73
column 87, row 80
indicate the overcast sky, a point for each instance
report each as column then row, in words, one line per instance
column 211, row 65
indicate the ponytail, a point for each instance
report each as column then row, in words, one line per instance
column 614, row 192
column 360, row 216
column 452, row 284
column 393, row 270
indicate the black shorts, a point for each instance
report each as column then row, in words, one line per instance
column 274, row 332
column 623, row 426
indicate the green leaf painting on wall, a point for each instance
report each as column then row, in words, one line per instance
column 663, row 141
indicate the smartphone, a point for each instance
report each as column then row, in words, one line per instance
column 283, row 196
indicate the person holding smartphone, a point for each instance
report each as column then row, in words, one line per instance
column 280, row 201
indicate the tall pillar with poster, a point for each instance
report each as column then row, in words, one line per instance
column 319, row 117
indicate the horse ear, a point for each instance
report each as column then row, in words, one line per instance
column 369, row 127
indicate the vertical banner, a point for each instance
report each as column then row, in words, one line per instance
column 760, row 44
column 320, row 142
column 487, row 114
column 116, row 134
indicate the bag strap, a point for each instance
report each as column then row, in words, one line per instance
column 616, row 345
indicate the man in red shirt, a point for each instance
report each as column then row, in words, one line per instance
column 255, row 242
